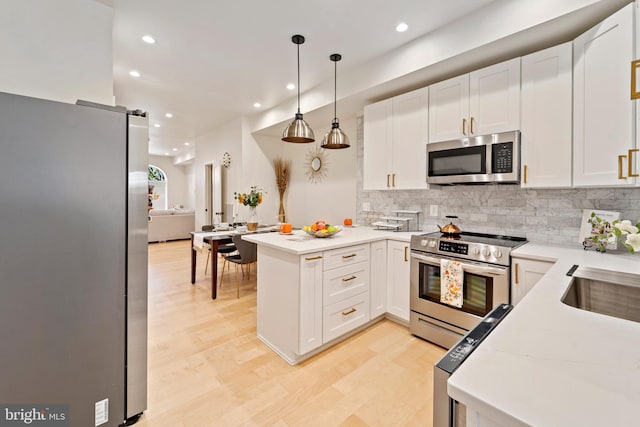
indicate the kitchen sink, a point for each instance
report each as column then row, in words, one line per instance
column 605, row 292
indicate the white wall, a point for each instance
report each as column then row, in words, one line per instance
column 209, row 148
column 177, row 181
column 59, row 50
column 332, row 199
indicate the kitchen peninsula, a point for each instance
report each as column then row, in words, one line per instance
column 315, row 292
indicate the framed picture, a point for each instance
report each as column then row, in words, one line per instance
column 588, row 230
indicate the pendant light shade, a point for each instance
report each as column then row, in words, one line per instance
column 298, row 130
column 335, row 138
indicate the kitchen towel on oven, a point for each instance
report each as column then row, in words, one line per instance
column 451, row 282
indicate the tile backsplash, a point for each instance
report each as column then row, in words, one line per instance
column 543, row 216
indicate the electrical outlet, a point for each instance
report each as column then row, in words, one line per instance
column 366, row 206
column 433, row 210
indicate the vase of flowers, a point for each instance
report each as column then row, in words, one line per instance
column 607, row 233
column 252, row 199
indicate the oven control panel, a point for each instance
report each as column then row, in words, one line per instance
column 454, row 247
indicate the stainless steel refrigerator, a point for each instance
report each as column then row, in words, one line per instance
column 73, row 262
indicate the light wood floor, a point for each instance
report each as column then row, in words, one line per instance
column 208, row 368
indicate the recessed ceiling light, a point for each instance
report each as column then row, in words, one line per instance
column 168, row 115
column 156, row 125
column 134, row 73
column 187, row 144
column 402, row 27
column 148, row 39
column 166, row 154
column 174, row 149
column 291, row 86
column 257, row 104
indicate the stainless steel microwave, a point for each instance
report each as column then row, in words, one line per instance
column 482, row 159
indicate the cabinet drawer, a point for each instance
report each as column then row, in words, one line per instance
column 346, row 256
column 344, row 282
column 344, row 316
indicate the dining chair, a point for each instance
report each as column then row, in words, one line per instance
column 247, row 255
column 222, row 249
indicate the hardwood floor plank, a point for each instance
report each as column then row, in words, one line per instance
column 208, row 368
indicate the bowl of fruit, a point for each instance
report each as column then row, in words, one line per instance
column 321, row 229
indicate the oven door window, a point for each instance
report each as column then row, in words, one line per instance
column 477, row 292
column 458, row 161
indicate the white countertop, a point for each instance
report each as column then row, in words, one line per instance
column 549, row 364
column 300, row 243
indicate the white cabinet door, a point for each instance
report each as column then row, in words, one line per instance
column 525, row 273
column 409, row 141
column 398, row 279
column 378, row 279
column 377, row 137
column 494, row 98
column 603, row 112
column 547, row 117
column 310, row 327
column 449, row 109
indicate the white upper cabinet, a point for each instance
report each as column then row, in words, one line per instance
column 395, row 140
column 603, row 111
column 482, row 102
column 546, row 99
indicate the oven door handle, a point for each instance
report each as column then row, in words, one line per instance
column 471, row 268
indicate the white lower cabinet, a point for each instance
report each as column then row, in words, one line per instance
column 310, row 329
column 378, row 279
column 398, row 279
column 525, row 273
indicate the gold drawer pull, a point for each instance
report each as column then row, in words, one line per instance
column 349, row 278
column 314, row 258
column 525, row 174
column 620, row 159
column 471, row 127
column 517, row 273
column 388, row 180
column 630, row 163
column 464, row 126
column 348, row 256
column 393, row 179
column 405, row 253
column 348, row 312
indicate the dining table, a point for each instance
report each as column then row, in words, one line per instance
column 214, row 239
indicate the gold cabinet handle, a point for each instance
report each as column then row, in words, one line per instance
column 464, row 126
column 621, row 157
column 471, row 127
column 348, row 312
column 516, row 273
column 348, row 279
column 313, row 258
column 348, row 256
column 405, row 253
column 393, row 179
column 630, row 168
column 387, row 180
column 524, row 173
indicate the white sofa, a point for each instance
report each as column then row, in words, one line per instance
column 171, row 224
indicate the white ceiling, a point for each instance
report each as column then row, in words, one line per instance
column 213, row 59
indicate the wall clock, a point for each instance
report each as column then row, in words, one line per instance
column 226, row 160
column 316, row 164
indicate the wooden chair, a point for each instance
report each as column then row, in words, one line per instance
column 247, row 255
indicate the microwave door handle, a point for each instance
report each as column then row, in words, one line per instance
column 489, row 155
column 471, row 268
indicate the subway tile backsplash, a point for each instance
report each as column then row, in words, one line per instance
column 543, row 216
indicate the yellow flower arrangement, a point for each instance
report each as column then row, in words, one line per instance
column 253, row 198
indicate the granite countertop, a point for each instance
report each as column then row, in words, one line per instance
column 300, row 243
column 549, row 364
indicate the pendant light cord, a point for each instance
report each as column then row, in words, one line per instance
column 298, row 78
column 335, row 90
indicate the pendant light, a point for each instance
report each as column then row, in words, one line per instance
column 335, row 138
column 298, row 130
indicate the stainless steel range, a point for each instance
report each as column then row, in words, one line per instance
column 485, row 261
